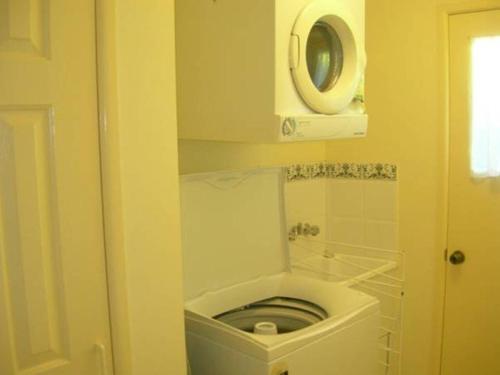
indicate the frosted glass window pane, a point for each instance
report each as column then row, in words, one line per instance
column 485, row 134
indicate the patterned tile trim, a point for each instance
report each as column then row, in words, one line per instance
column 344, row 170
column 380, row 172
column 374, row 171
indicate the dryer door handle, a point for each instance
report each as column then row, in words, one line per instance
column 294, row 51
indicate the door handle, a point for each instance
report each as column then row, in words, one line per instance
column 102, row 362
column 457, row 258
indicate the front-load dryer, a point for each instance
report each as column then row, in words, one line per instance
column 270, row 70
column 245, row 313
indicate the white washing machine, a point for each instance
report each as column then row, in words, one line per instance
column 245, row 313
column 270, row 70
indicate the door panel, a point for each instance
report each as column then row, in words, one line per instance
column 30, row 237
column 472, row 323
column 53, row 298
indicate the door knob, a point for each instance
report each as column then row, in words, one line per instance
column 458, row 257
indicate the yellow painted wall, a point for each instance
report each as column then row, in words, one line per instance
column 149, row 187
column 404, row 99
column 201, row 156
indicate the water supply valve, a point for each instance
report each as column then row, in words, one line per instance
column 304, row 230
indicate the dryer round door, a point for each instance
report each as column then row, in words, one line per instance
column 327, row 60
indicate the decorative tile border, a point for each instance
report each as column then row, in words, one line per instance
column 344, row 170
column 306, row 171
column 373, row 171
column 380, row 172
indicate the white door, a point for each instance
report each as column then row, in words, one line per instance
column 472, row 312
column 53, row 298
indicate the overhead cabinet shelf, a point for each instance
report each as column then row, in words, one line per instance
column 270, row 71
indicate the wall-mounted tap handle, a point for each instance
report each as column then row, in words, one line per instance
column 305, row 230
column 299, row 229
column 314, row 230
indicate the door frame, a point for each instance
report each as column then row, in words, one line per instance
column 444, row 13
column 130, row 354
column 107, row 87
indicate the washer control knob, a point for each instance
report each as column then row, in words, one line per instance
column 289, row 127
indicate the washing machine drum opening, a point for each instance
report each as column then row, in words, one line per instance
column 325, row 56
column 286, row 314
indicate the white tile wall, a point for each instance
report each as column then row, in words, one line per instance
column 357, row 212
column 380, row 200
column 345, row 230
column 306, row 197
column 352, row 211
column 381, row 234
column 345, row 198
column 362, row 212
column 305, row 203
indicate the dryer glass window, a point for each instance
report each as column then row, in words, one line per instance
column 325, row 56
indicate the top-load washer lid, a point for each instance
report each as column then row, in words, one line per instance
column 233, row 228
column 326, row 56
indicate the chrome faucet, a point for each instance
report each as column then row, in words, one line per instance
column 304, row 230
